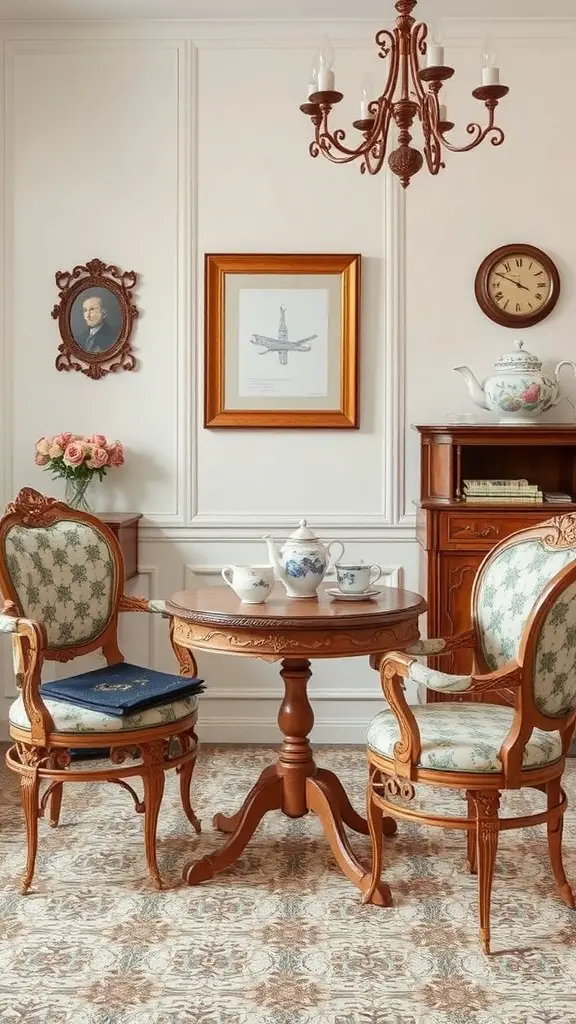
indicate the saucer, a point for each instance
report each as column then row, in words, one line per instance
column 339, row 596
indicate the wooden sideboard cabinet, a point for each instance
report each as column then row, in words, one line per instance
column 125, row 527
column 455, row 536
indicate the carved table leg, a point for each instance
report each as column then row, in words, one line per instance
column 323, row 799
column 265, row 796
column 349, row 816
column 228, row 823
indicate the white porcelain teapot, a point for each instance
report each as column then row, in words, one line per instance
column 303, row 561
column 517, row 390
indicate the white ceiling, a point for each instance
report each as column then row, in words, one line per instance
column 271, row 10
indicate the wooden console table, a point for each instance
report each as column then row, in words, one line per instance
column 293, row 632
column 125, row 527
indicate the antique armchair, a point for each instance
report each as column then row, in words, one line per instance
column 61, row 577
column 524, row 641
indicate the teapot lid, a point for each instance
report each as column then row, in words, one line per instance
column 303, row 533
column 521, row 359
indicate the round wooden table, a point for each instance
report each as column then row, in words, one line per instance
column 293, row 631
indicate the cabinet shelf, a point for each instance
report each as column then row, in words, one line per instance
column 455, row 535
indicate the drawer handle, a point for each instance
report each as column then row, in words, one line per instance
column 486, row 531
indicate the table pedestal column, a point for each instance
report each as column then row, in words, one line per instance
column 294, row 785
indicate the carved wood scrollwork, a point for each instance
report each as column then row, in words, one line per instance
column 95, row 342
column 561, row 531
column 396, row 787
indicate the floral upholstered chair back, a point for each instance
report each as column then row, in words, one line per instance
column 60, row 567
column 525, row 610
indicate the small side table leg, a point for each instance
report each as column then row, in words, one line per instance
column 265, row 796
column 349, row 816
column 323, row 801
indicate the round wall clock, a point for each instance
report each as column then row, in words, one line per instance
column 517, row 285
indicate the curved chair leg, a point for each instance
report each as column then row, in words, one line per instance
column 185, row 772
column 30, row 792
column 56, row 804
column 555, row 827
column 471, row 837
column 153, row 779
column 486, row 804
column 374, row 817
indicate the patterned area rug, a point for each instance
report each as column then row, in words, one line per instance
column 283, row 937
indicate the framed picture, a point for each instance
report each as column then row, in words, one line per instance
column 281, row 340
column 95, row 316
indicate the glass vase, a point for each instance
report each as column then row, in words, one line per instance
column 77, row 493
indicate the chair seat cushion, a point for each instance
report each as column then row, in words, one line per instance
column 72, row 718
column 462, row 737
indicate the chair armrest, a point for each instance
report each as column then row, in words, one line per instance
column 442, row 682
column 28, row 645
column 8, row 624
column 437, row 647
column 510, row 675
column 142, row 604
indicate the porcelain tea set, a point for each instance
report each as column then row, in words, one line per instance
column 300, row 566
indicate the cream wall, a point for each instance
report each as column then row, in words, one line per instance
column 148, row 144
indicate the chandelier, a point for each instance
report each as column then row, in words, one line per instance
column 411, row 92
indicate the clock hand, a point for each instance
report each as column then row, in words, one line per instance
column 511, row 279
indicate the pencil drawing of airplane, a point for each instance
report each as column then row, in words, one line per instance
column 281, row 344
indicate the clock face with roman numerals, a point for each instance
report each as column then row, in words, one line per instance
column 517, row 285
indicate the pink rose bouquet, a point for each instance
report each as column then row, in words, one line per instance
column 77, row 457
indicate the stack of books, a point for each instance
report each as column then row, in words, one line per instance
column 501, row 492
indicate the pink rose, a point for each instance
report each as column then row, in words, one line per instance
column 74, row 453
column 116, row 454
column 55, row 450
column 98, row 440
column 98, row 458
column 62, row 440
column 41, row 460
column 43, row 445
column 531, row 394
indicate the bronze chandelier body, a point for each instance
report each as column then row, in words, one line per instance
column 411, row 92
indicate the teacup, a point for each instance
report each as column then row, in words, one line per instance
column 356, row 579
column 252, row 583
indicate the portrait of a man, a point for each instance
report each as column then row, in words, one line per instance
column 96, row 314
column 95, row 320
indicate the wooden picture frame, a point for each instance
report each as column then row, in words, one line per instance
column 274, row 307
column 95, row 316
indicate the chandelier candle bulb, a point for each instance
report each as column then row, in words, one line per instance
column 490, row 75
column 490, row 72
column 434, row 56
column 325, row 67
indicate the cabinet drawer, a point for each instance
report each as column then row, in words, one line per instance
column 481, row 532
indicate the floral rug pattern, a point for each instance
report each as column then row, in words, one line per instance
column 282, row 938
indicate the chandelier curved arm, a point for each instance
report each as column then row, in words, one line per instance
column 417, row 50
column 326, row 142
column 479, row 133
column 376, row 156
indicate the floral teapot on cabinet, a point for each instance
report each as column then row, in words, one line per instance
column 303, row 561
column 517, row 390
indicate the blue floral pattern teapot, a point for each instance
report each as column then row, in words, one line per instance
column 303, row 561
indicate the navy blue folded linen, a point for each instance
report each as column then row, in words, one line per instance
column 122, row 689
